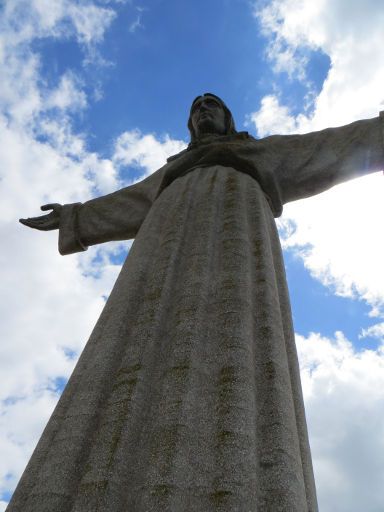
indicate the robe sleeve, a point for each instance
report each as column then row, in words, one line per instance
column 116, row 216
column 305, row 165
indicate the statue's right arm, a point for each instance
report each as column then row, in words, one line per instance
column 116, row 216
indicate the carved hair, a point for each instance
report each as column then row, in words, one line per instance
column 229, row 122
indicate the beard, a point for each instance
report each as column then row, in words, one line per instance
column 208, row 124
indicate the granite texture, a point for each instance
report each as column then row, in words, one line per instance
column 187, row 396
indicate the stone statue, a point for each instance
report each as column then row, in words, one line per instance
column 187, row 396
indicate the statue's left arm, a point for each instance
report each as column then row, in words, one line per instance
column 305, row 165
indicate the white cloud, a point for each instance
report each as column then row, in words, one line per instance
column 134, row 148
column 67, row 95
column 337, row 234
column 288, row 47
column 90, row 21
column 135, row 24
column 24, row 20
column 376, row 331
column 273, row 118
column 16, row 443
column 344, row 30
column 344, row 397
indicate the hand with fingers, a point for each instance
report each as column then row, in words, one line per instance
column 45, row 222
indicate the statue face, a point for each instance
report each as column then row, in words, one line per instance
column 208, row 116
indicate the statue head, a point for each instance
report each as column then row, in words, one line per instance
column 209, row 114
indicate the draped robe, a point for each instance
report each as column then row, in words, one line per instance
column 187, row 396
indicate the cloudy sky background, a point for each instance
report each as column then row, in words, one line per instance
column 95, row 95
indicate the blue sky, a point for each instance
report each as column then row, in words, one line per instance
column 95, row 95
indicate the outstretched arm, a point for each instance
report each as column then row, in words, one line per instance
column 116, row 216
column 305, row 165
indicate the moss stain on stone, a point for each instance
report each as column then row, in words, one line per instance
column 270, row 370
column 129, row 369
column 228, row 225
column 164, row 447
column 230, row 185
column 87, row 468
column 89, row 488
column 265, row 332
column 126, row 386
column 257, row 250
column 228, row 284
column 129, row 383
column 227, row 375
column 179, row 372
column 230, row 188
column 229, row 243
column 115, row 438
column 212, row 181
column 161, row 490
column 153, row 295
column 219, row 497
column 226, row 379
column 224, row 436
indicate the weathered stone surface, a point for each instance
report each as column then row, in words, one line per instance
column 187, row 396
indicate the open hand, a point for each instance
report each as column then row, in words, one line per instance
column 45, row 222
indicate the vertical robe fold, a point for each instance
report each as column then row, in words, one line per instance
column 187, row 396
